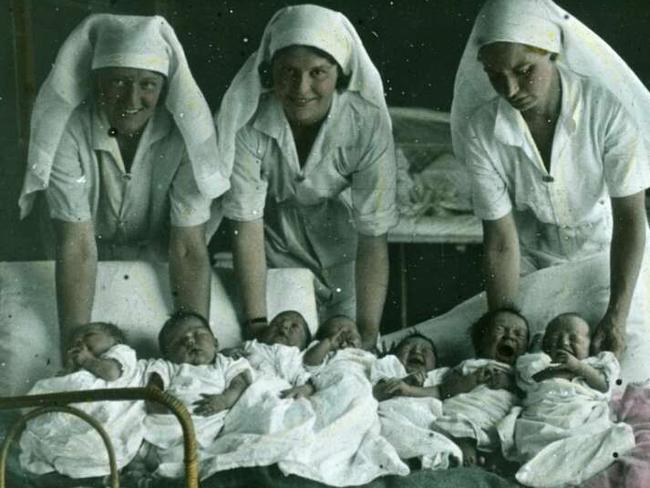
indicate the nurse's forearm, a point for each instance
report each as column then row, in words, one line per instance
column 371, row 285
column 250, row 266
column 189, row 269
column 501, row 262
column 626, row 255
column 75, row 275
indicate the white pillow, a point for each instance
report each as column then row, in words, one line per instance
column 133, row 295
column 581, row 287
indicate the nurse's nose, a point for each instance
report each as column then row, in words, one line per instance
column 132, row 96
column 510, row 86
column 301, row 84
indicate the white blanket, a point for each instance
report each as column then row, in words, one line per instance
column 66, row 444
column 344, row 446
column 475, row 414
column 406, row 422
column 261, row 427
column 187, row 383
column 563, row 420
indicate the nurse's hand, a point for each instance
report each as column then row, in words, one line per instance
column 609, row 336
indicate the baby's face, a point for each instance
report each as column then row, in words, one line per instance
column 191, row 342
column 286, row 328
column 416, row 354
column 570, row 334
column 93, row 338
column 349, row 333
column 507, row 338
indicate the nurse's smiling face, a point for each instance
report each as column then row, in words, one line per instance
column 304, row 82
column 526, row 77
column 128, row 97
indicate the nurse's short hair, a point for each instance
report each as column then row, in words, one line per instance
column 266, row 72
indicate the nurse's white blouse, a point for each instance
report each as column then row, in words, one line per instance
column 565, row 213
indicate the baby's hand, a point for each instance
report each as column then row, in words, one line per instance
column 500, row 379
column 210, row 405
column 390, row 388
column 78, row 355
column 338, row 340
column 417, row 378
column 303, row 391
column 233, row 352
column 568, row 360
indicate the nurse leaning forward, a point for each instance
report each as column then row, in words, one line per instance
column 557, row 149
column 306, row 128
column 123, row 145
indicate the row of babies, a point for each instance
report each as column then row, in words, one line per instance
column 332, row 412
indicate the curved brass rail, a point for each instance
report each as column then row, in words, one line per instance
column 115, row 394
column 19, row 425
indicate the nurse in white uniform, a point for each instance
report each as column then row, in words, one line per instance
column 306, row 128
column 124, row 147
column 553, row 128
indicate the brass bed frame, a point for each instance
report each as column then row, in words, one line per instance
column 58, row 402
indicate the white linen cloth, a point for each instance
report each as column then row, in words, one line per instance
column 564, row 432
column 406, row 422
column 67, row 444
column 344, row 447
column 106, row 40
column 188, row 382
column 261, row 427
column 475, row 414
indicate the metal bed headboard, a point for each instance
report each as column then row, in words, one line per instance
column 58, row 402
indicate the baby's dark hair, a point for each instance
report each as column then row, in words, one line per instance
column 305, row 325
column 415, row 334
column 266, row 73
column 320, row 333
column 482, row 326
column 110, row 329
column 173, row 321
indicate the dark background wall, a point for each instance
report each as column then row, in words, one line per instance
column 416, row 45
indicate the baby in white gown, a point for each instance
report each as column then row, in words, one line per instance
column 564, row 434
column 479, row 392
column 273, row 414
column 98, row 358
column 344, row 445
column 407, row 388
column 208, row 383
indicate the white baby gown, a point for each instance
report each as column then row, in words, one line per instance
column 67, row 444
column 564, row 433
column 345, row 446
column 475, row 414
column 261, row 427
column 406, row 421
column 187, row 383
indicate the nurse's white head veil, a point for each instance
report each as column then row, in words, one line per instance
column 105, row 40
column 542, row 24
column 306, row 25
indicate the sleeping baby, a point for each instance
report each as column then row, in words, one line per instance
column 479, row 392
column 208, row 383
column 343, row 446
column 273, row 414
column 565, row 409
column 97, row 358
column 407, row 388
